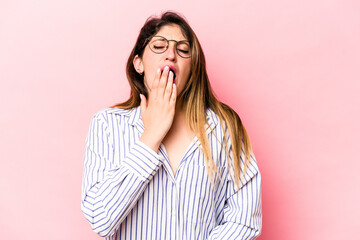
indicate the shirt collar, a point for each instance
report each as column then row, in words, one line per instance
column 211, row 118
column 134, row 115
column 135, row 118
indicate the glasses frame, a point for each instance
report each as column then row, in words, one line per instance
column 167, row 45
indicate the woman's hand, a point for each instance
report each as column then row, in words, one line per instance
column 157, row 112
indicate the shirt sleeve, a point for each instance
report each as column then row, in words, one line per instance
column 110, row 191
column 242, row 215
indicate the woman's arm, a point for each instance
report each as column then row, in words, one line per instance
column 241, row 213
column 110, row 191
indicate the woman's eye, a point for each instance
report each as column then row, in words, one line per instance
column 158, row 47
column 183, row 51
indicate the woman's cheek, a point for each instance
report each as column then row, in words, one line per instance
column 148, row 79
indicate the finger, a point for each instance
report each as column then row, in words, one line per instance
column 169, row 84
column 164, row 77
column 156, row 80
column 143, row 103
column 173, row 94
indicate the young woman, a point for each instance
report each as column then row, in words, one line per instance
column 172, row 162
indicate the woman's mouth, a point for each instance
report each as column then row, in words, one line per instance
column 173, row 74
column 171, row 69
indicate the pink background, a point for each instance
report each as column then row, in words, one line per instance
column 291, row 69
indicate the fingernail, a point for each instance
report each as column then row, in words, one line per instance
column 171, row 74
column 158, row 70
column 166, row 68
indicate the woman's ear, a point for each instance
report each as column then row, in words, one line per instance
column 138, row 65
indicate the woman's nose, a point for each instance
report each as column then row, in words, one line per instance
column 171, row 51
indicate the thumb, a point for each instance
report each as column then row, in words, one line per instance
column 143, row 103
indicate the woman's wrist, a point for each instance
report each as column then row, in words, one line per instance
column 150, row 141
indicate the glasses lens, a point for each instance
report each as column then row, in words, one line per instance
column 183, row 49
column 158, row 45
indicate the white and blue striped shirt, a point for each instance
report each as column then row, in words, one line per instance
column 130, row 192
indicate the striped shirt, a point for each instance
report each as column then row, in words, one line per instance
column 130, row 192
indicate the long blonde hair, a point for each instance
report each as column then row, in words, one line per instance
column 197, row 96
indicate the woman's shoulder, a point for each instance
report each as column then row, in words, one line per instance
column 111, row 112
column 214, row 124
column 212, row 116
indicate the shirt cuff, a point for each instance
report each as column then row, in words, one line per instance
column 142, row 160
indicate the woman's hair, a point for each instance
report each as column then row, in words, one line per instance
column 197, row 96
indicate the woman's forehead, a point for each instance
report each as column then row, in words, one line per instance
column 171, row 32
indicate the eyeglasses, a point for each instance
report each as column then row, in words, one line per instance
column 159, row 44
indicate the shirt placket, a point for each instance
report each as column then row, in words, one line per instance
column 173, row 212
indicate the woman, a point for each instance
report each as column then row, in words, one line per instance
column 172, row 162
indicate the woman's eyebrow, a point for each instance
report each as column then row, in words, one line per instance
column 171, row 39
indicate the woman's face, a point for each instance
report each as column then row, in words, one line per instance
column 151, row 61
